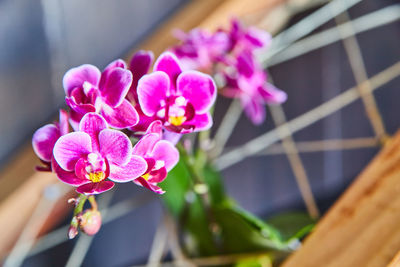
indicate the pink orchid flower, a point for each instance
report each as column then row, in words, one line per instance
column 249, row 84
column 249, row 38
column 88, row 157
column 44, row 138
column 161, row 156
column 89, row 90
column 200, row 49
column 181, row 100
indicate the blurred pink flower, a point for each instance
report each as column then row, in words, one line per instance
column 249, row 83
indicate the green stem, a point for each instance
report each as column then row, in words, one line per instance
column 195, row 171
column 79, row 203
column 93, row 202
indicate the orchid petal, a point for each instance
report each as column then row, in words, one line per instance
column 142, row 182
column 272, row 95
column 123, row 116
column 201, row 122
column 152, row 92
column 71, row 147
column 146, row 144
column 115, row 86
column 63, row 122
column 155, row 127
column 254, row 110
column 43, row 141
column 139, row 66
column 115, row 146
column 93, row 124
column 198, row 88
column 80, row 109
column 172, row 137
column 75, row 77
column 95, row 188
column 166, row 152
column 118, row 63
column 67, row 177
column 135, row 168
column 167, row 62
column 158, row 176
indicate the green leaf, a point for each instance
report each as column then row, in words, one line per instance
column 187, row 208
column 243, row 232
column 263, row 260
column 292, row 225
column 176, row 185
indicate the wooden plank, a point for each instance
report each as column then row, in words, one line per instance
column 362, row 228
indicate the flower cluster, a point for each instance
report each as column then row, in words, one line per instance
column 121, row 101
column 231, row 55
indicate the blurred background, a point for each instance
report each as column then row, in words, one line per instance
column 40, row 40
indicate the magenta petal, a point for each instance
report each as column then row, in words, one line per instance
column 75, row 77
column 81, row 109
column 165, row 151
column 167, row 62
column 135, row 168
column 115, row 86
column 142, row 182
column 146, row 144
column 139, row 66
column 118, row 63
column 80, row 169
column 67, row 177
column 43, row 141
column 155, row 127
column 257, row 37
column 152, row 92
column 123, row 116
column 254, row 110
column 172, row 137
column 201, row 122
column 63, row 122
column 272, row 95
column 115, row 146
column 198, row 88
column 71, row 147
column 93, row 124
column 245, row 63
column 95, row 188
column 158, row 176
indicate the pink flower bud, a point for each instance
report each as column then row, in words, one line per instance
column 90, row 222
column 73, row 229
column 72, row 232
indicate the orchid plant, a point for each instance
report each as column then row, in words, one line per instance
column 129, row 124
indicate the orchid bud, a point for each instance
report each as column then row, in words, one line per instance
column 73, row 229
column 90, row 221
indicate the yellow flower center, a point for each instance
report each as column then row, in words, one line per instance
column 176, row 121
column 146, row 176
column 96, row 177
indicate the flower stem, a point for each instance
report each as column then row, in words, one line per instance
column 79, row 203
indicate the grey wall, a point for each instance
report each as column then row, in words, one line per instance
column 40, row 40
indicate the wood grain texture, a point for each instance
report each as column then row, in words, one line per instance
column 363, row 226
